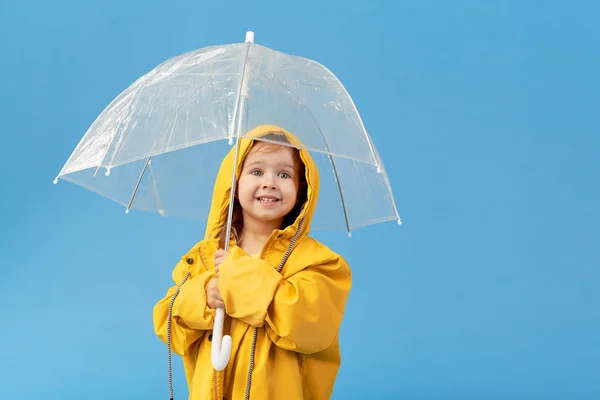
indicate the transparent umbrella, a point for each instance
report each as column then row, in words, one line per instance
column 159, row 144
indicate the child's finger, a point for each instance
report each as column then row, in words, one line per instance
column 221, row 254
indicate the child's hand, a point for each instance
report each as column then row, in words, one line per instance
column 220, row 256
column 213, row 297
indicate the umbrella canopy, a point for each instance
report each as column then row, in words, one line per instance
column 167, row 133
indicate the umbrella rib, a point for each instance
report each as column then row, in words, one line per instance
column 331, row 160
column 137, row 185
column 337, row 181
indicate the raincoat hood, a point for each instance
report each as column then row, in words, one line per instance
column 219, row 208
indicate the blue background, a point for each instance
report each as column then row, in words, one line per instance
column 485, row 114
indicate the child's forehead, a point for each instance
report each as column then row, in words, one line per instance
column 267, row 153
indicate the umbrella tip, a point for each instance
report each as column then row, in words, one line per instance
column 55, row 181
column 249, row 37
column 107, row 173
column 399, row 221
column 162, row 212
column 378, row 168
column 349, row 234
column 127, row 211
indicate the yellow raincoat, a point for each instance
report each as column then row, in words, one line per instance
column 290, row 318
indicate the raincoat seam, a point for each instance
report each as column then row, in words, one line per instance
column 202, row 259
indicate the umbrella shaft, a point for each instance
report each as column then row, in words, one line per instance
column 239, row 110
column 232, row 194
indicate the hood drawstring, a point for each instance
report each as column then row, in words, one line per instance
column 255, row 333
column 253, row 348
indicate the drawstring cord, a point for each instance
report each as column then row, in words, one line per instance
column 169, row 333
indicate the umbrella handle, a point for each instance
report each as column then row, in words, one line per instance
column 221, row 345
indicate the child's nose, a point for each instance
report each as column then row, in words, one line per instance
column 268, row 182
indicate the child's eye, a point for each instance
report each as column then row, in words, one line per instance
column 256, row 172
column 284, row 175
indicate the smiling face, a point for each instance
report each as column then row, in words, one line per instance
column 268, row 184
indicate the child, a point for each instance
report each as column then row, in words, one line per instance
column 284, row 293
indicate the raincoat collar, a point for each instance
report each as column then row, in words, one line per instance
column 222, row 187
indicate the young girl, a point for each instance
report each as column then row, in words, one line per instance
column 284, row 292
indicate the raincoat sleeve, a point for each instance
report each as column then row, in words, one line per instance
column 302, row 313
column 191, row 316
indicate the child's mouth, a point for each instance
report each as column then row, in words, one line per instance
column 267, row 199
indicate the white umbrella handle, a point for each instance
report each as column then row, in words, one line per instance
column 221, row 345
